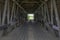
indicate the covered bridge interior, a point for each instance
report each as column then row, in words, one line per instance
column 29, row 19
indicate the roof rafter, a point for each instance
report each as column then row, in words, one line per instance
column 19, row 6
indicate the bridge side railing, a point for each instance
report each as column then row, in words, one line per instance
column 7, row 28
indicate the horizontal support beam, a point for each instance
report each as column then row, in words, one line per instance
column 29, row 2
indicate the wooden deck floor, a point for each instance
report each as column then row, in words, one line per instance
column 29, row 32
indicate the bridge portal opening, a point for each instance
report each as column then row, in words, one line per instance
column 30, row 17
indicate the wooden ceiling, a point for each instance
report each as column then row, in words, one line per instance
column 31, row 5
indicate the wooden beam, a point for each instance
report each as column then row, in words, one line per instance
column 51, row 12
column 19, row 6
column 56, row 12
column 29, row 2
column 0, row 17
column 12, row 12
column 42, row 11
column 8, row 13
column 4, row 12
column 47, row 13
column 38, row 8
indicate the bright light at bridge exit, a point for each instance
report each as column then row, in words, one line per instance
column 30, row 16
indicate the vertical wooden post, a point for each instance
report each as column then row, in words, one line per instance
column 51, row 12
column 4, row 12
column 17, row 10
column 42, row 12
column 8, row 13
column 0, row 17
column 12, row 12
column 56, row 14
column 47, row 14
